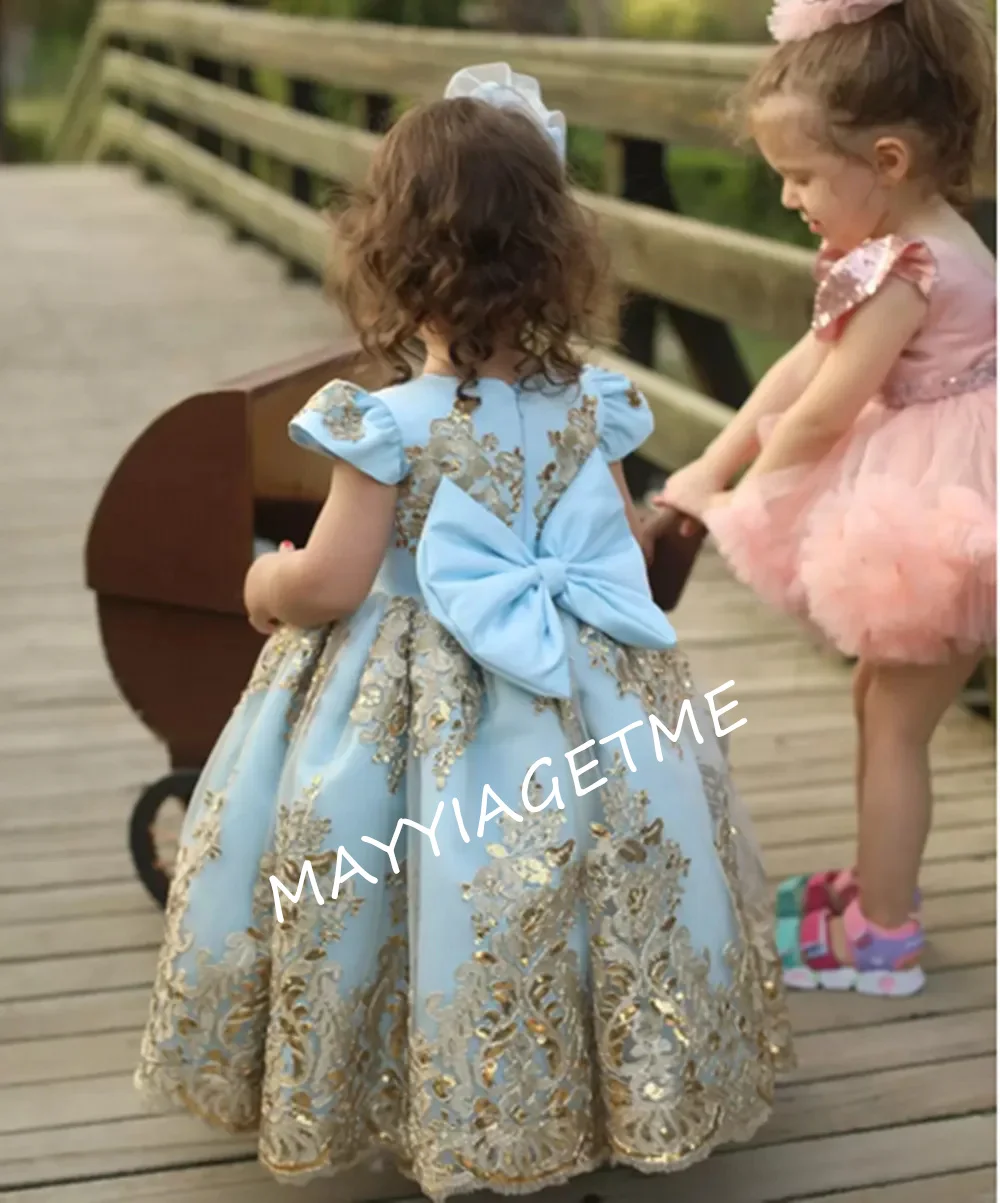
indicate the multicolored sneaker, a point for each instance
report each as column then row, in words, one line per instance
column 807, row 892
column 884, row 962
column 834, row 891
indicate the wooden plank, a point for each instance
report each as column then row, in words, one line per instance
column 948, row 993
column 75, row 975
column 115, row 864
column 27, row 777
column 293, row 228
column 135, row 1146
column 929, row 1040
column 73, row 1014
column 782, row 774
column 102, row 836
column 109, row 898
column 882, row 1100
column 973, row 1186
column 241, row 1182
column 799, row 827
column 951, row 992
column 69, row 1059
column 33, row 940
column 51, row 810
column 766, row 799
column 32, row 875
column 944, row 845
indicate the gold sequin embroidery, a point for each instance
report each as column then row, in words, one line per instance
column 447, row 693
column 382, row 707
column 571, row 446
column 490, row 476
column 336, row 404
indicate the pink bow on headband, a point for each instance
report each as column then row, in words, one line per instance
column 796, row 20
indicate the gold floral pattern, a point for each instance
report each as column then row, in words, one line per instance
column 336, row 1052
column 491, row 476
column 447, row 694
column 382, row 708
column 203, row 1043
column 572, row 445
column 660, row 679
column 506, row 1060
column 337, row 405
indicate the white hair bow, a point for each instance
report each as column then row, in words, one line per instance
column 498, row 85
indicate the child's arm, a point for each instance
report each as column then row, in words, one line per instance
column 737, row 443
column 333, row 574
column 853, row 372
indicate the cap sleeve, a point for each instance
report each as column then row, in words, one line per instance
column 343, row 421
column 845, row 282
column 625, row 420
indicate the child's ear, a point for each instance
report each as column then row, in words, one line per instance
column 893, row 159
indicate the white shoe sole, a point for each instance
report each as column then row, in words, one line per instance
column 875, row 983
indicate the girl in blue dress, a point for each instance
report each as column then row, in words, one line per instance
column 465, row 885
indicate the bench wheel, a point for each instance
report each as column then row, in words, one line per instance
column 178, row 786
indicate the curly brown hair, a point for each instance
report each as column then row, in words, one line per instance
column 467, row 226
column 923, row 65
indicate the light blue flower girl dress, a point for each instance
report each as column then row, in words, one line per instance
column 562, row 973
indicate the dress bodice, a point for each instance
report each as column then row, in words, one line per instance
column 514, row 448
column 955, row 349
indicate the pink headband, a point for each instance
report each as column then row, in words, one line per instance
column 796, row 20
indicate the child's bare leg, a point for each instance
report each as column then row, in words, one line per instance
column 859, row 688
column 903, row 707
column 840, row 889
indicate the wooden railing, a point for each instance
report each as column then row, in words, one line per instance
column 165, row 84
column 133, row 95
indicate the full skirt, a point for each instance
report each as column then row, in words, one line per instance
column 505, row 977
column 887, row 546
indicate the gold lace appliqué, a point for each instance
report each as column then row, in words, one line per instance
column 336, row 404
column 475, row 463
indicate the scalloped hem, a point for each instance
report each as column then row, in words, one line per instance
column 726, row 1133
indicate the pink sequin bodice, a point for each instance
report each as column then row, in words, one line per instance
column 955, row 350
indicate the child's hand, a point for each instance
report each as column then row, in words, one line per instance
column 719, row 500
column 258, row 589
column 690, row 490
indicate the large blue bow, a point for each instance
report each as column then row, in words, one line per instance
column 499, row 599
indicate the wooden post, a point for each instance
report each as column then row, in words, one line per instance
column 240, row 78
column 709, row 347
column 6, row 150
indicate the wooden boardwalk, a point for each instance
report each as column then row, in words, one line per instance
column 119, row 300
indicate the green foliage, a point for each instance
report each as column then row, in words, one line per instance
column 431, row 13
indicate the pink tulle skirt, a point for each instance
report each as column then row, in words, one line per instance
column 887, row 545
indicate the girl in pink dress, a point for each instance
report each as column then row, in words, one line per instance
column 869, row 510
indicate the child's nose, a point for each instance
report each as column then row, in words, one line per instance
column 789, row 196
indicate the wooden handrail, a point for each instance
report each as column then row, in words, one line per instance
column 671, row 91
column 686, row 422
column 757, row 283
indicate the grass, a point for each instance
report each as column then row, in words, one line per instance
column 30, row 118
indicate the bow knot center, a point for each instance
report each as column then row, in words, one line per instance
column 553, row 574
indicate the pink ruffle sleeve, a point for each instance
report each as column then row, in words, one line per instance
column 845, row 282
